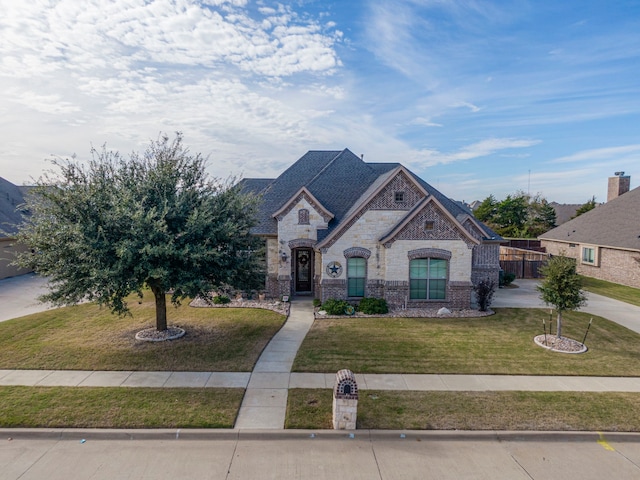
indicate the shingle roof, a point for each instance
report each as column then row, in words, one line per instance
column 338, row 179
column 613, row 224
column 337, row 188
column 11, row 196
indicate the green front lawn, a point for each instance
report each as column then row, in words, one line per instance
column 392, row 410
column 117, row 407
column 498, row 344
column 612, row 290
column 86, row 337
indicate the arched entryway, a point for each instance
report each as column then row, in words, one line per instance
column 302, row 262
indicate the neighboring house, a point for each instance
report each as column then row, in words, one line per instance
column 11, row 197
column 604, row 241
column 337, row 227
column 564, row 211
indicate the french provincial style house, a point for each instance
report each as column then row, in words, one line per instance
column 604, row 241
column 338, row 227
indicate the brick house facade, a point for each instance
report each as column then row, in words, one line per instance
column 337, row 227
column 604, row 241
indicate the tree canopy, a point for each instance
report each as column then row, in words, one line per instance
column 585, row 207
column 519, row 215
column 561, row 287
column 117, row 225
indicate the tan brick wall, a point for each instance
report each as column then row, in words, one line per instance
column 617, row 266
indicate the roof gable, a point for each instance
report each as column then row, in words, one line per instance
column 612, row 224
column 380, row 196
column 303, row 193
column 444, row 226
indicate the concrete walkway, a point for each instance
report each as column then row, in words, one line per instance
column 265, row 400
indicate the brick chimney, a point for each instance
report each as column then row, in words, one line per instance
column 618, row 185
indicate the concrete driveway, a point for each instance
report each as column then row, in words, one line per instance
column 18, row 296
column 526, row 296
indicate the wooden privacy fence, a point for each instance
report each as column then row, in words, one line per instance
column 522, row 263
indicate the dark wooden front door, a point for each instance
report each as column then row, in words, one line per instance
column 303, row 270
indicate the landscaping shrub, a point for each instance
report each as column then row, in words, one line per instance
column 373, row 306
column 484, row 291
column 221, row 299
column 317, row 302
column 507, row 278
column 333, row 306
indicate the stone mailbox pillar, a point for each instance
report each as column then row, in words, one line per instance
column 345, row 401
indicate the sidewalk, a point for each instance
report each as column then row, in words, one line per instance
column 265, row 399
column 266, row 396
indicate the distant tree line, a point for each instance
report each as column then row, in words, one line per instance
column 518, row 216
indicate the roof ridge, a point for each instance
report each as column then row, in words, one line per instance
column 340, row 153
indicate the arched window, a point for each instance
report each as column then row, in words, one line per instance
column 303, row 216
column 356, row 276
column 428, row 278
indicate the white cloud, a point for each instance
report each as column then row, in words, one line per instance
column 483, row 148
column 609, row 153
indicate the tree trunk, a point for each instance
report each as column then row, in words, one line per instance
column 559, row 325
column 161, row 307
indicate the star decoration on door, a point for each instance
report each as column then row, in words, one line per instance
column 334, row 269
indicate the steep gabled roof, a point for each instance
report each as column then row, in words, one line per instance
column 335, row 178
column 614, row 224
column 341, row 182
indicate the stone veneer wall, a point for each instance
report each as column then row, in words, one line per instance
column 333, row 289
column 396, row 293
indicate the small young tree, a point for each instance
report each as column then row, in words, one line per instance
column 103, row 231
column 561, row 287
column 484, row 291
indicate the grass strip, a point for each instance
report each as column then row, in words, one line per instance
column 612, row 290
column 541, row 411
column 87, row 337
column 68, row 407
column 497, row 344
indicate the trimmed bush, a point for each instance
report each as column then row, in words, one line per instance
column 508, row 278
column 333, row 306
column 317, row 302
column 221, row 299
column 373, row 306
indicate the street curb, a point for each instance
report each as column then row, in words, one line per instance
column 82, row 435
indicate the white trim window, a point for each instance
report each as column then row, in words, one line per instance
column 589, row 255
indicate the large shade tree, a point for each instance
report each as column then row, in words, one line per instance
column 561, row 287
column 115, row 226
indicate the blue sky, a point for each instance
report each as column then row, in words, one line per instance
column 477, row 97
